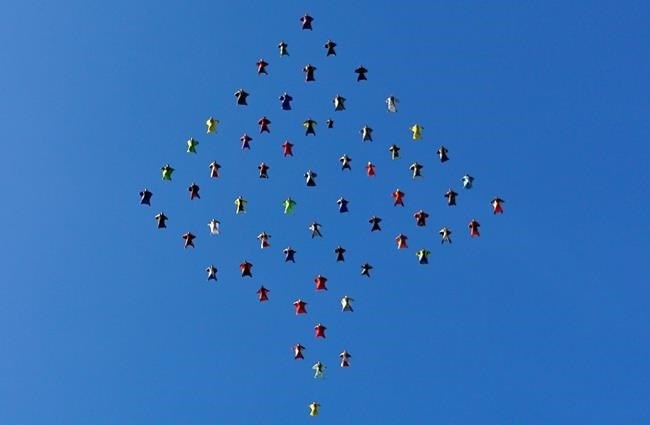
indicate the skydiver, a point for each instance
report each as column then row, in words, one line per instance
column 214, row 169
column 309, row 126
column 473, row 228
column 374, row 220
column 285, row 101
column 297, row 351
column 365, row 269
column 398, row 197
column 319, row 370
column 245, row 141
column 319, row 331
column 309, row 72
column 212, row 272
column 241, row 96
column 194, row 191
column 299, row 306
column 415, row 169
column 191, row 145
column 161, row 218
column 320, row 282
column 329, row 123
column 366, row 133
column 416, row 129
column 497, row 208
column 240, row 205
column 391, row 103
column 213, row 224
column 394, row 151
column 289, row 205
column 309, row 178
column 246, row 269
column 345, row 358
column 345, row 162
column 264, row 170
column 370, row 169
column 346, row 304
column 167, row 172
column 263, row 294
column 315, row 230
column 211, row 124
column 306, row 21
column 361, row 71
column 401, row 241
column 283, row 48
column 287, row 148
column 420, row 218
column 451, row 197
column 145, row 197
column 423, row 256
column 467, row 181
column 264, row 124
column 339, row 251
column 339, row 103
column 442, row 154
column 343, row 204
column 264, row 240
column 288, row 254
column 330, row 45
column 261, row 67
column 189, row 239
column 314, row 408
column 445, row 234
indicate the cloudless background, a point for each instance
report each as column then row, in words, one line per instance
column 542, row 320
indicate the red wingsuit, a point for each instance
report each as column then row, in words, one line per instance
column 262, row 294
column 401, row 241
column 370, row 169
column 245, row 268
column 264, row 124
column 497, row 208
column 320, row 283
column 398, row 196
column 300, row 307
column 287, row 148
column 319, row 331
column 473, row 228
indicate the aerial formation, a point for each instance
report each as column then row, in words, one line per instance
column 344, row 205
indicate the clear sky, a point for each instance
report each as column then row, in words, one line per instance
column 542, row 320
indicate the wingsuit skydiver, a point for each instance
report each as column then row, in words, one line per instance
column 263, row 294
column 473, row 228
column 264, row 240
column 374, row 220
column 319, row 370
column 287, row 148
column 189, row 239
column 339, row 103
column 398, row 197
column 212, row 272
column 361, row 73
column 211, row 124
column 263, row 170
column 416, row 130
column 370, row 169
column 289, row 205
column 391, row 103
column 343, row 205
column 285, row 101
column 261, row 67
column 416, row 169
column 315, row 230
column 306, row 21
column 191, row 145
column 309, row 125
column 345, row 162
column 442, row 154
column 445, row 235
column 394, row 151
column 319, row 331
column 214, row 169
column 320, row 282
column 289, row 254
column 145, row 197
column 401, row 241
column 330, row 45
column 167, row 172
column 161, row 218
column 339, row 251
column 366, row 133
column 282, row 46
column 309, row 178
column 214, row 226
column 345, row 358
column 240, row 205
column 365, row 269
column 497, row 208
column 423, row 256
column 246, row 269
column 346, row 304
column 194, row 191
column 245, row 141
column 420, row 218
column 264, row 124
column 241, row 95
column 297, row 351
column 451, row 197
column 300, row 307
column 309, row 72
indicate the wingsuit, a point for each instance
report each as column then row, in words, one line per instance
column 214, row 169
column 288, row 254
column 145, row 197
column 211, row 124
column 161, row 218
column 497, row 208
column 287, row 148
column 191, row 145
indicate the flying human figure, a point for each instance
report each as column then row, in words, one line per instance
column 365, row 269
column 416, row 169
column 366, row 133
column 245, row 141
column 309, row 72
column 361, row 73
column 161, row 218
column 289, row 205
column 297, row 351
column 421, row 218
column 309, row 125
column 285, row 101
column 314, row 408
column 346, row 304
column 473, row 228
column 468, row 181
column 145, row 197
column 423, row 256
column 212, row 272
column 264, row 240
column 315, row 230
column 309, row 178
column 330, row 45
column 416, row 130
column 306, row 21
column 289, row 254
column 263, row 170
column 370, row 169
column 319, row 370
column 319, row 331
column 167, row 172
column 211, row 124
column 214, row 169
column 391, row 103
column 442, row 154
column 246, row 269
column 191, row 145
column 451, row 197
column 282, row 46
column 287, row 148
column 343, row 205
column 497, row 208
column 263, row 294
column 213, row 225
column 320, row 282
column 394, row 151
column 261, row 67
column 345, row 358
column 300, row 306
column 194, row 191
column 241, row 95
column 401, row 241
column 445, row 235
column 345, row 162
column 374, row 220
column 329, row 123
column 264, row 124
column 189, row 239
column 339, row 251
column 398, row 197
column 240, row 205
column 339, row 103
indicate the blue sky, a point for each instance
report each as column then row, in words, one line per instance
column 541, row 320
